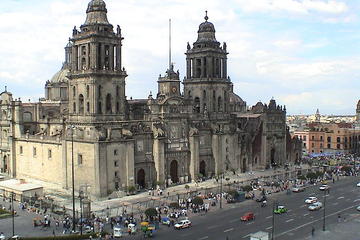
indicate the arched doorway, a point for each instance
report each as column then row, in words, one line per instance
column 203, row 168
column 141, row 178
column 272, row 157
column 243, row 169
column 5, row 166
column 174, row 171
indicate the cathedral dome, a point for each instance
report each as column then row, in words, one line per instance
column 234, row 98
column 96, row 13
column 96, row 5
column 206, row 31
column 60, row 76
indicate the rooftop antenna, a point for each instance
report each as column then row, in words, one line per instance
column 169, row 44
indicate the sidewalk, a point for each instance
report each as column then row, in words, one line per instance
column 348, row 230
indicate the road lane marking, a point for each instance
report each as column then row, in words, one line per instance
column 228, row 230
column 268, row 228
column 246, row 236
column 214, row 226
column 203, row 238
column 269, row 217
column 234, row 220
column 335, row 203
column 340, row 197
column 306, row 214
column 290, row 220
column 314, row 221
column 289, row 210
column 250, row 223
column 356, row 200
column 303, row 206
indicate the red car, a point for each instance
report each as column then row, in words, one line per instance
column 248, row 217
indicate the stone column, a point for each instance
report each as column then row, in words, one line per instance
column 217, row 153
column 64, row 164
column 225, row 68
column 102, row 56
column 130, row 163
column 159, row 158
column 111, row 60
column 194, row 156
column 193, row 68
column 75, row 58
column 202, row 67
column 188, row 70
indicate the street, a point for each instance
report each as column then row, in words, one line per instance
column 296, row 223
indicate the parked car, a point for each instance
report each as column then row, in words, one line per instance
column 311, row 200
column 298, row 189
column 248, row 217
column 324, row 187
column 358, row 185
column 358, row 208
column 182, row 224
column 261, row 199
column 280, row 209
column 315, row 206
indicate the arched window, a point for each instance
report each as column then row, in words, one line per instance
column 83, row 64
column 108, row 104
column 74, row 91
column 219, row 104
column 214, row 101
column 117, row 91
column 74, row 107
column 204, row 95
column 117, row 107
column 87, row 107
column 99, row 108
column 99, row 91
column 197, row 105
column 87, row 91
column 189, row 94
column 81, row 104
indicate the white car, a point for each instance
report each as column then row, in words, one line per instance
column 311, row 200
column 2, row 236
column 324, row 187
column 358, row 185
column 315, row 206
column 182, row 224
column 358, row 208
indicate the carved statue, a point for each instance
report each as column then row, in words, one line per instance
column 158, row 132
column 188, row 46
column 193, row 131
column 126, row 133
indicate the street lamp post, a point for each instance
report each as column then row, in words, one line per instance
column 13, row 214
column 72, row 127
column 273, row 222
column 221, row 177
column 324, row 210
column 81, row 197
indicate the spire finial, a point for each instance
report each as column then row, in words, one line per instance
column 206, row 16
column 5, row 88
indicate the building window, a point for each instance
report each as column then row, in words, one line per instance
column 321, row 138
column 49, row 153
column 321, row 146
column 338, row 146
column 345, row 139
column 305, row 145
column 304, row 138
column 34, row 151
column 329, row 145
column 80, row 159
column 116, row 163
column 312, row 137
column 312, row 145
column 115, row 152
column 116, row 174
column 21, row 150
column 338, row 139
column 329, row 139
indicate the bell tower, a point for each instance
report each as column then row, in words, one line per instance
column 97, row 79
column 206, row 81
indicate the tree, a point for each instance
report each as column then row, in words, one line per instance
column 247, row 188
column 233, row 193
column 187, row 187
column 151, row 213
column 174, row 205
column 311, row 175
column 131, row 189
column 301, row 177
column 198, row 201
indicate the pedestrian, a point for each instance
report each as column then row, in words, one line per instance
column 312, row 231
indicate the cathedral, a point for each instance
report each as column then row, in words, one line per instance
column 180, row 134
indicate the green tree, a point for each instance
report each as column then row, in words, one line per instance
column 151, row 213
column 311, row 175
column 197, row 201
column 174, row 205
column 247, row 188
column 233, row 193
column 131, row 189
column 187, row 187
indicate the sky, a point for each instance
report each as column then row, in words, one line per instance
column 303, row 53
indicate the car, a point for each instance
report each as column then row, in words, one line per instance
column 280, row 209
column 324, row 187
column 315, row 206
column 182, row 224
column 298, row 189
column 358, row 208
column 261, row 199
column 358, row 185
column 248, row 217
column 311, row 200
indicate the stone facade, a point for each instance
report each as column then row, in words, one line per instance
column 176, row 136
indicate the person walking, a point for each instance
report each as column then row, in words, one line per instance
column 312, row 231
